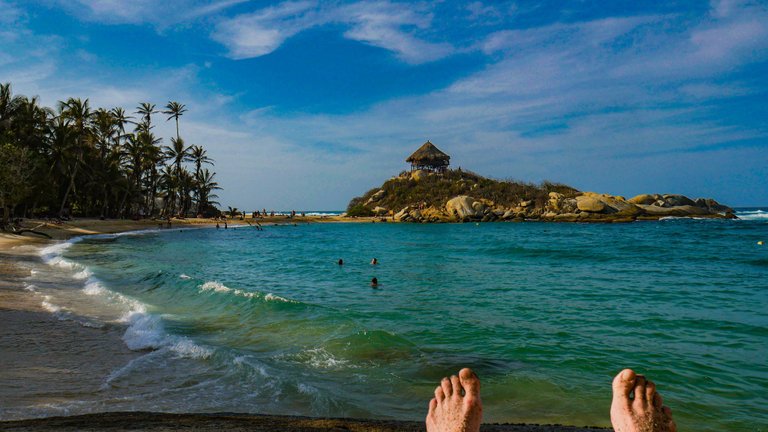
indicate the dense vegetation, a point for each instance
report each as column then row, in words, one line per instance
column 80, row 161
column 435, row 189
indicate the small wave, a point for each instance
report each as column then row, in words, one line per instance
column 215, row 286
column 759, row 215
column 188, row 349
column 183, row 276
column 273, row 297
column 319, row 358
column 50, row 307
column 221, row 288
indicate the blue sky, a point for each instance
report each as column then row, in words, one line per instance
column 305, row 104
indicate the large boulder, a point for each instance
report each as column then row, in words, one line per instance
column 403, row 215
column 464, row 207
column 419, row 175
column 681, row 211
column 645, row 199
column 589, row 204
column 678, row 200
column 378, row 210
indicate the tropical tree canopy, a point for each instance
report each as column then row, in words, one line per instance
column 78, row 160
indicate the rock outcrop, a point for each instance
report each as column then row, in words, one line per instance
column 422, row 196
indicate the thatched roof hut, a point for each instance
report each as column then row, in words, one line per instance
column 429, row 157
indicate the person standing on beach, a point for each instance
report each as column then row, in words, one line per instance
column 636, row 406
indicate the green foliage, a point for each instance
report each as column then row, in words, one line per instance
column 359, row 210
column 436, row 189
column 17, row 168
column 82, row 161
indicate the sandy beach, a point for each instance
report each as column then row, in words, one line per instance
column 33, row 362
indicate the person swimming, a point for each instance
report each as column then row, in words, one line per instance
column 374, row 261
column 341, row 261
column 374, row 283
column 636, row 406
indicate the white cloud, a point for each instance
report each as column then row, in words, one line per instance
column 379, row 23
column 160, row 14
column 260, row 33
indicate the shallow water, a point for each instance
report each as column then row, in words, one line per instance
column 267, row 322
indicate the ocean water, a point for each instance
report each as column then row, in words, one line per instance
column 242, row 320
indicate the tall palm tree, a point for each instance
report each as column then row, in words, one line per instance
column 77, row 115
column 199, row 156
column 174, row 111
column 9, row 104
column 146, row 110
column 205, row 186
column 177, row 153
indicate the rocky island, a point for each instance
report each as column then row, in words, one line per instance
column 431, row 192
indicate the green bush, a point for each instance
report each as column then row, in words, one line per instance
column 359, row 210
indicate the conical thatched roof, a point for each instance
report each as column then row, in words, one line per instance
column 428, row 154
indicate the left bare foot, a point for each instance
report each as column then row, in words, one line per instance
column 456, row 406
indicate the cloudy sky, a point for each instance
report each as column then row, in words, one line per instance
column 305, row 104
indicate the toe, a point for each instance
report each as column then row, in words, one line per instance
column 650, row 392
column 657, row 400
column 470, row 382
column 447, row 387
column 639, row 390
column 432, row 406
column 623, row 384
column 456, row 384
column 439, row 394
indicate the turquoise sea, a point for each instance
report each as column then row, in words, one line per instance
column 241, row 320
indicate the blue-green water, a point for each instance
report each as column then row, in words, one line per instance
column 268, row 322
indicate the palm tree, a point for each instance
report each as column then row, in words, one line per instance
column 9, row 104
column 177, row 153
column 146, row 110
column 77, row 115
column 174, row 111
column 199, row 156
column 205, row 185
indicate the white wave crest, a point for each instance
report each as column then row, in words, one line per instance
column 145, row 331
column 759, row 215
column 50, row 307
column 183, row 276
column 215, row 286
column 273, row 297
column 188, row 349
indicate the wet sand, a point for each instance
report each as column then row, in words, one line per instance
column 159, row 422
column 42, row 356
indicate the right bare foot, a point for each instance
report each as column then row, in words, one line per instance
column 456, row 406
column 644, row 412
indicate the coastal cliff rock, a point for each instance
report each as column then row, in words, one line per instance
column 461, row 196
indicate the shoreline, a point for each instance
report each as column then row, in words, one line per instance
column 167, row 422
column 22, row 313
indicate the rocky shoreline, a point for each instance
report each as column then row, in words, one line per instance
column 519, row 202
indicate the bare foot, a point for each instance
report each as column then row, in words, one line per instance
column 456, row 406
column 642, row 413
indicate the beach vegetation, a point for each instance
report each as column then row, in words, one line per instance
column 435, row 189
column 79, row 160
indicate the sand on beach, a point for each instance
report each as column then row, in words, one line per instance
column 162, row 422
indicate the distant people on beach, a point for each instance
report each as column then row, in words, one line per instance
column 636, row 406
column 374, row 261
column 217, row 225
